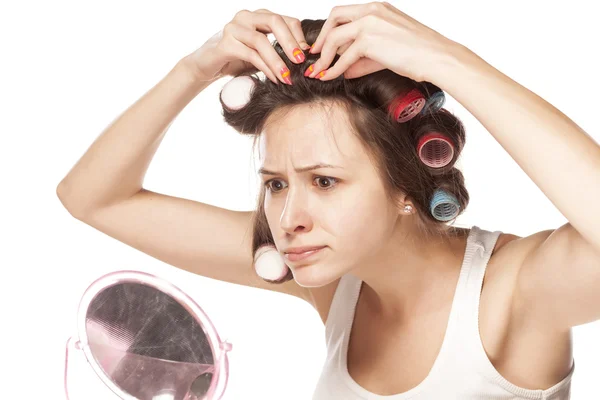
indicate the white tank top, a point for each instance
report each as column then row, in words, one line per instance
column 461, row 370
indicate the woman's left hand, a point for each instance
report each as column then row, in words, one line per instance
column 374, row 36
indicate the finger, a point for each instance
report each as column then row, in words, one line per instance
column 252, row 48
column 339, row 15
column 336, row 38
column 261, row 44
column 250, row 55
column 295, row 27
column 362, row 67
column 343, row 48
column 351, row 56
column 274, row 23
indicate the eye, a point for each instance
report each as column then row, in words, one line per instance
column 317, row 178
column 269, row 187
column 326, row 178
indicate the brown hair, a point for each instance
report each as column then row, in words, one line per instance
column 392, row 146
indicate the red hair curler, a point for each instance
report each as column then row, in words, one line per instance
column 406, row 107
column 435, row 149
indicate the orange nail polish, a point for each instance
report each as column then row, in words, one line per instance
column 321, row 74
column 285, row 74
column 309, row 70
column 299, row 55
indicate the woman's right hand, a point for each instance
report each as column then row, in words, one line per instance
column 243, row 46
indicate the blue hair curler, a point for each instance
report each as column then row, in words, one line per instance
column 434, row 102
column 444, row 206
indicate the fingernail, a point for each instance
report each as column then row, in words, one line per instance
column 285, row 74
column 311, row 51
column 299, row 55
column 321, row 74
column 309, row 70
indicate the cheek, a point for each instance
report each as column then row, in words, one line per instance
column 360, row 225
column 272, row 214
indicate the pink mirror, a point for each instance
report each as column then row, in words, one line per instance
column 147, row 340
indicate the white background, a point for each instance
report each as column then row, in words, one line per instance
column 68, row 69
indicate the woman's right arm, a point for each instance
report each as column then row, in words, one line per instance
column 104, row 188
column 114, row 166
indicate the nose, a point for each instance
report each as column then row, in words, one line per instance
column 295, row 217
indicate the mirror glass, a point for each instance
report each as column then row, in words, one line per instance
column 148, row 344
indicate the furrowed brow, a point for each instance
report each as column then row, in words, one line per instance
column 265, row 171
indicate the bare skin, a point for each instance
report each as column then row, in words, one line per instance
column 527, row 357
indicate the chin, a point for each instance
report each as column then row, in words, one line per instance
column 314, row 275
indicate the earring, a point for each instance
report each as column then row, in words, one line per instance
column 408, row 209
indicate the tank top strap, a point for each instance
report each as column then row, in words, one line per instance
column 484, row 241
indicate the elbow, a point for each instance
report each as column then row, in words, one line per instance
column 67, row 204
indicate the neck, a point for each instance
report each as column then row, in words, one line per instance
column 413, row 274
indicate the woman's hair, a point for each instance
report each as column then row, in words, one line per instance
column 391, row 145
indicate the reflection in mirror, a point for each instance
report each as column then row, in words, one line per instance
column 148, row 344
column 201, row 384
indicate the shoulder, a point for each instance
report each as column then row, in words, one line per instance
column 506, row 261
column 504, row 239
column 506, row 257
column 517, row 247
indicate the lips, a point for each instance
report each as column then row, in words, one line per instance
column 300, row 250
column 304, row 255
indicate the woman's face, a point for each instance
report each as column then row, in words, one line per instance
column 344, row 207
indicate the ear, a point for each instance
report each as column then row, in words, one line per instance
column 404, row 205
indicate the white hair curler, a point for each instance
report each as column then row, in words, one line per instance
column 269, row 264
column 237, row 92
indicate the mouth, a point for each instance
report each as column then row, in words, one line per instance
column 302, row 256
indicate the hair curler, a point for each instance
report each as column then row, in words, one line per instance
column 269, row 264
column 444, row 206
column 237, row 92
column 404, row 108
column 435, row 149
column 434, row 102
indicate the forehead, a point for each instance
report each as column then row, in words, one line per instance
column 305, row 134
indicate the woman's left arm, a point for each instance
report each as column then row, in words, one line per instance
column 558, row 156
column 559, row 280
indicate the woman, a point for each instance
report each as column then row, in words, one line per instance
column 434, row 311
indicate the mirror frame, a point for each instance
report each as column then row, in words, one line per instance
column 219, row 353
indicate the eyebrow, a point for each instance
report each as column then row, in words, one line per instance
column 265, row 171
